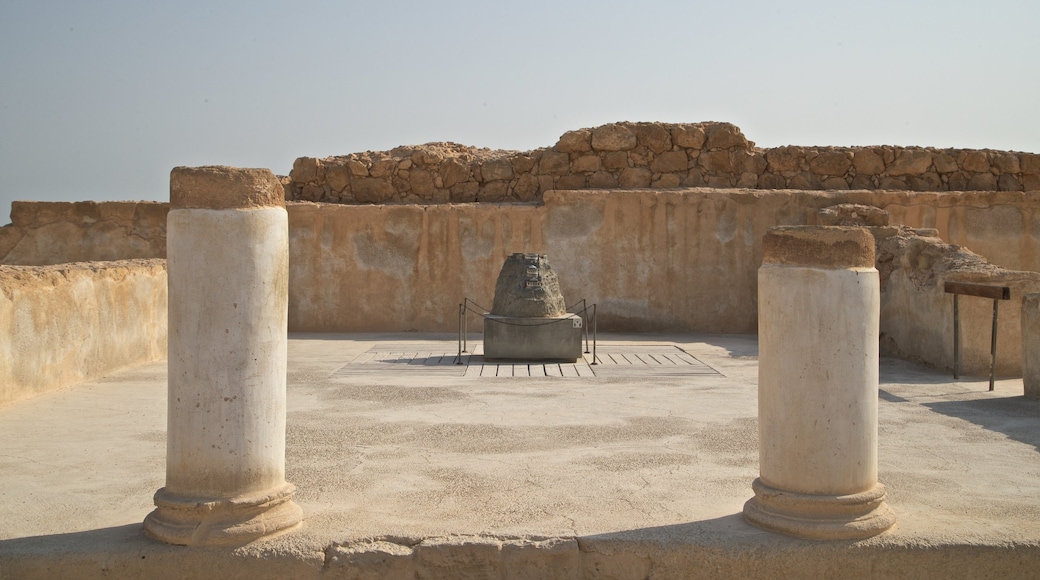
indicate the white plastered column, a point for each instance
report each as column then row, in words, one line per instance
column 227, row 259
column 819, row 309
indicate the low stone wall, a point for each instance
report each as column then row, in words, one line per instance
column 917, row 314
column 648, row 155
column 43, row 233
column 61, row 325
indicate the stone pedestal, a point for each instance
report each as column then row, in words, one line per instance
column 1031, row 345
column 819, row 309
column 228, row 254
column 552, row 338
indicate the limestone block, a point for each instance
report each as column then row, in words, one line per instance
column 653, row 136
column 785, row 159
column 945, row 163
column 383, row 168
column 573, row 181
column 337, row 176
column 453, row 171
column 666, row 181
column 689, row 136
column 634, row 178
column 357, row 168
column 493, row 191
column 830, row 163
column 911, row 162
column 603, row 180
column 867, row 162
column 422, row 183
column 1008, row 182
column 720, row 161
column 1006, row 162
column 553, row 163
column 613, row 137
column 975, row 161
column 725, row 136
column 615, row 160
column 497, row 169
column 306, row 170
column 671, row 161
column 372, row 190
column 575, row 141
column 1029, row 163
column 928, row 181
column 526, row 187
column 833, row 183
column 982, row 182
column 587, row 164
column 522, row 163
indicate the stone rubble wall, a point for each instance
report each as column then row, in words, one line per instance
column 62, row 325
column 43, row 233
column 647, row 155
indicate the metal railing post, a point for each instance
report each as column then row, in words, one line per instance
column 956, row 338
column 993, row 348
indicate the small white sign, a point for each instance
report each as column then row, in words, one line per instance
column 577, row 323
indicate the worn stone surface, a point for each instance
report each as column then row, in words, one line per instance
column 853, row 214
column 527, row 287
column 405, row 473
column 220, row 187
column 820, row 247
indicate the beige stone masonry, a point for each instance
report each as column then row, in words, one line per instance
column 219, row 187
column 629, row 155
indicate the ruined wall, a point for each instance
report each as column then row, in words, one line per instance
column 683, row 260
column 61, row 325
column 43, row 233
column 652, row 260
column 917, row 314
column 648, row 155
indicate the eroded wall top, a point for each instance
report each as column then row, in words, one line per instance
column 642, row 155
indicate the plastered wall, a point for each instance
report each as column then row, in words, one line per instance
column 61, row 325
column 653, row 260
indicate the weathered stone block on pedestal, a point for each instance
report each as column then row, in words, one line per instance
column 556, row 338
column 529, row 319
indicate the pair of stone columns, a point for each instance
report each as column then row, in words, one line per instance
column 228, row 269
column 227, row 252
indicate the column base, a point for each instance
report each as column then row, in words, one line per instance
column 235, row 521
column 819, row 517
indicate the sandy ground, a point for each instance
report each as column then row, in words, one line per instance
column 392, row 451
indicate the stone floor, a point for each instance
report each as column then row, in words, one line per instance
column 409, row 465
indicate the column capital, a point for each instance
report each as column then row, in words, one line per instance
column 221, row 187
column 829, row 247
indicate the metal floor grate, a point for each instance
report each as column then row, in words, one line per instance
column 625, row 360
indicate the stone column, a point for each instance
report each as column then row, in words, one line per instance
column 1031, row 345
column 227, row 251
column 818, row 320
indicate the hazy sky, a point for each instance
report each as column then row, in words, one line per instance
column 99, row 100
